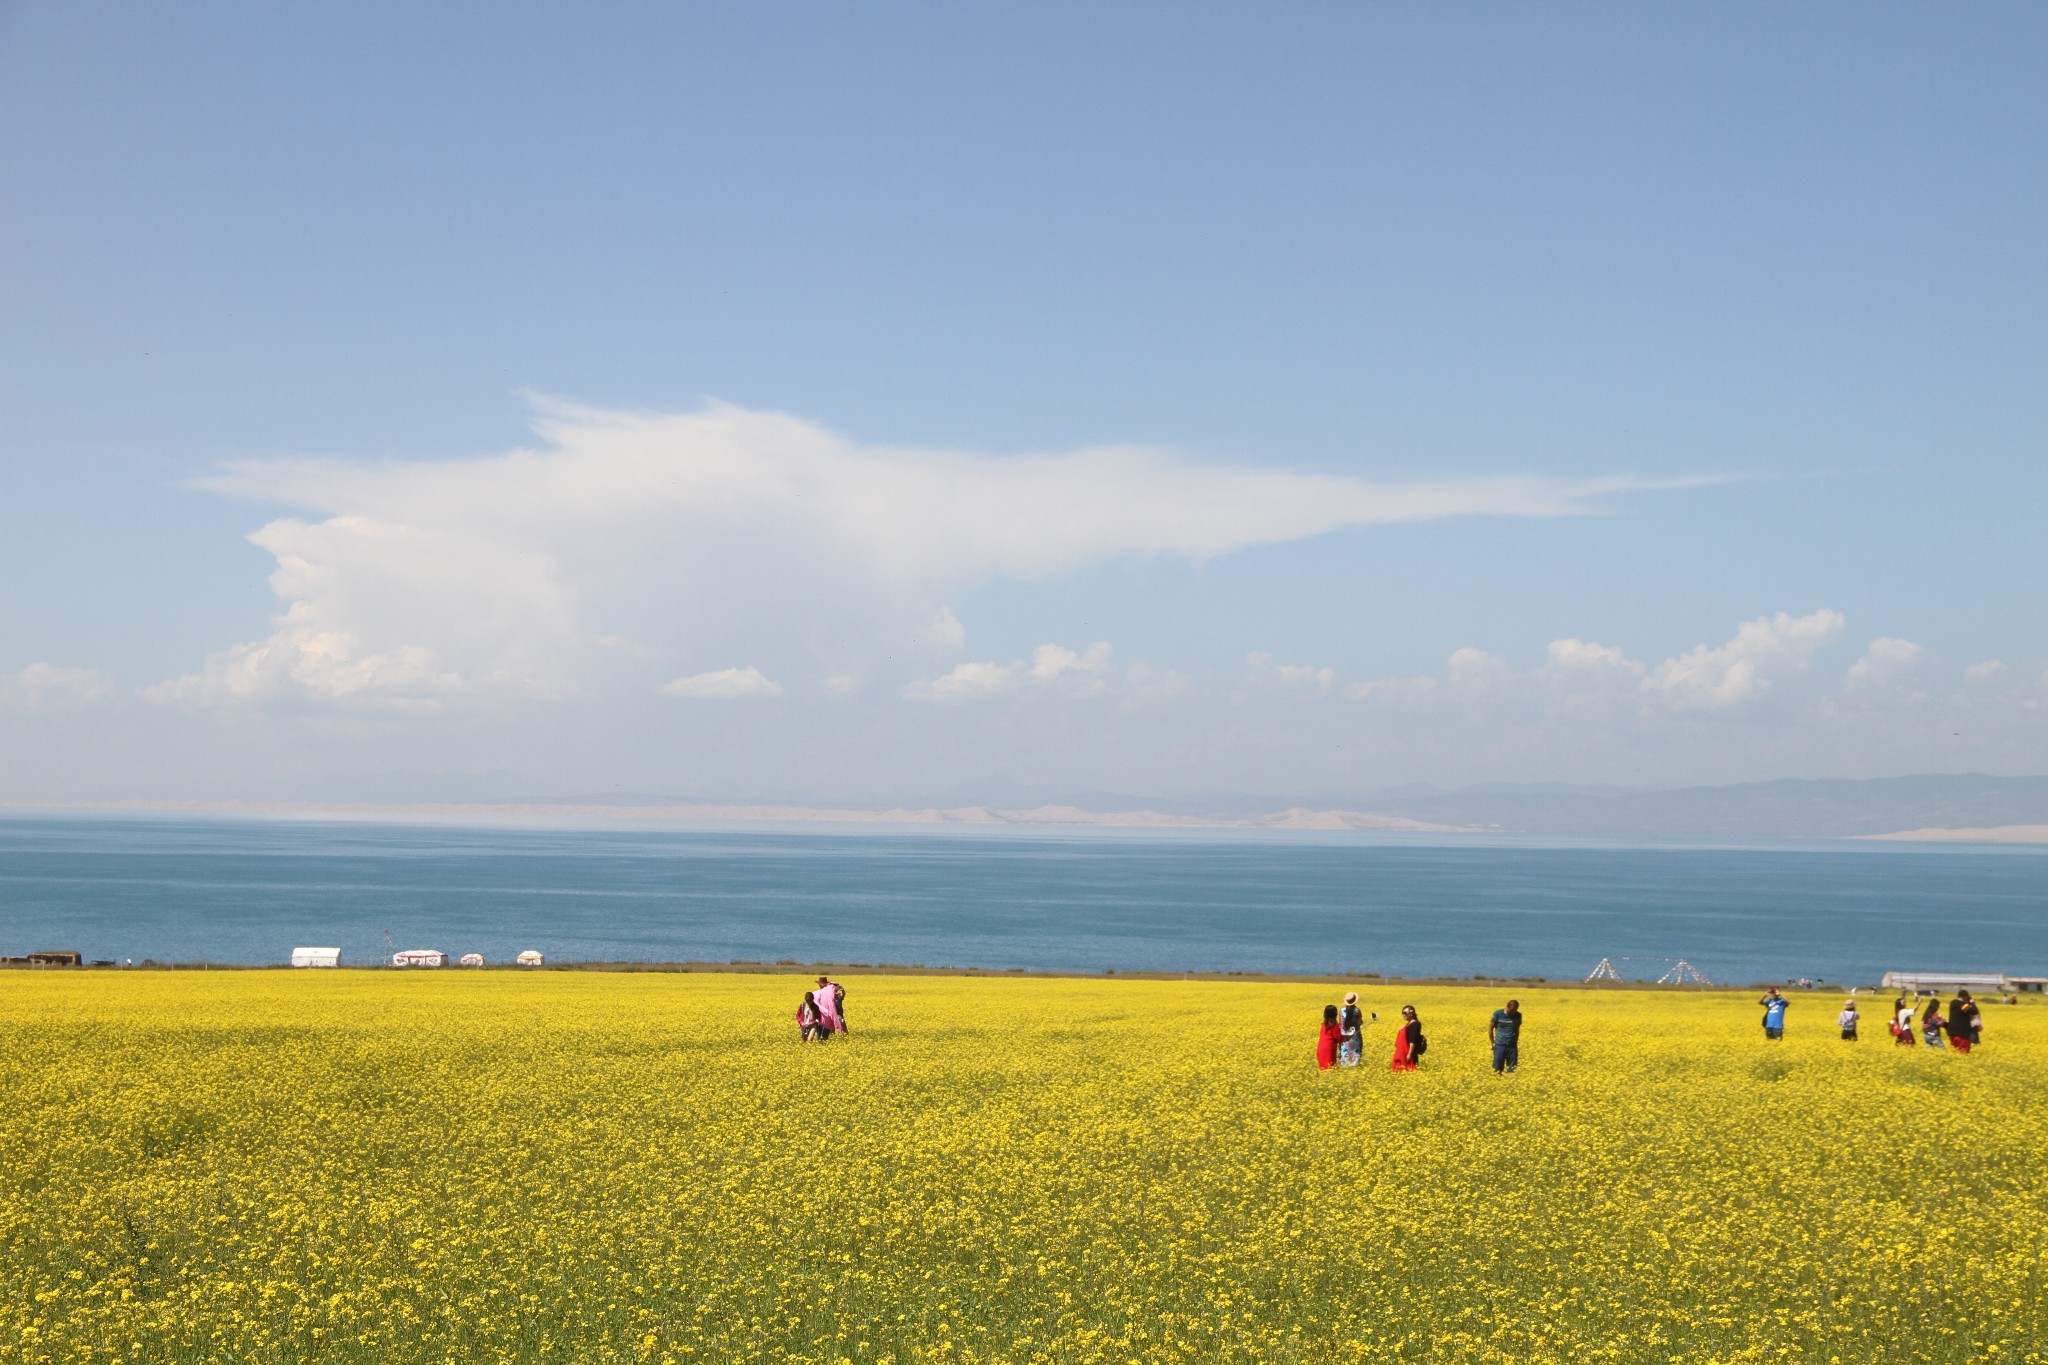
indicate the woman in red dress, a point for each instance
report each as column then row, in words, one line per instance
column 1407, row 1040
column 1326, row 1041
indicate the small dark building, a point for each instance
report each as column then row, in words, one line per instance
column 56, row 959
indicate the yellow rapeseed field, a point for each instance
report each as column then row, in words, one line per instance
column 381, row 1167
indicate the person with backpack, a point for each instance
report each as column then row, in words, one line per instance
column 1505, row 1033
column 1848, row 1019
column 1409, row 1044
column 1774, row 1014
column 1902, row 1022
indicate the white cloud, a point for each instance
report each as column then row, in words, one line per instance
column 946, row 629
column 1583, row 656
column 1763, row 652
column 1051, row 662
column 1990, row 671
column 1582, row 674
column 1476, row 674
column 966, row 682
column 723, row 685
column 1884, row 662
column 1290, row 677
column 399, row 616
column 1143, row 684
column 411, row 584
column 43, row 684
column 1050, row 666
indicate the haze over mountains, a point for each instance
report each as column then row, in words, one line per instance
column 1791, row 809
column 1960, row 807
column 1752, row 810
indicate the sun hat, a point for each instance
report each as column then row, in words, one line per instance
column 1351, row 997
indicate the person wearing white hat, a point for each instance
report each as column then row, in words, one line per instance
column 1351, row 1022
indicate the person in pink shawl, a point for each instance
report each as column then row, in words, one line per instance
column 831, row 998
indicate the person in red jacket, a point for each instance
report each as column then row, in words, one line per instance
column 1408, row 1042
column 1326, row 1041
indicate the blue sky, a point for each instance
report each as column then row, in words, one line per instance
column 1771, row 276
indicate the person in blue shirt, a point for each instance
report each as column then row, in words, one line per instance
column 1774, row 1014
column 1506, row 1034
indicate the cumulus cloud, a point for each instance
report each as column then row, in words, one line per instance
column 1584, row 656
column 1049, row 666
column 723, row 685
column 1763, row 652
column 1290, row 677
column 43, row 684
column 1885, row 662
column 1723, row 678
column 946, row 629
column 412, row 584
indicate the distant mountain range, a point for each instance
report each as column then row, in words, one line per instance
column 1751, row 810
column 1929, row 807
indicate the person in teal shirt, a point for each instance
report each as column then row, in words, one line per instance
column 1506, row 1034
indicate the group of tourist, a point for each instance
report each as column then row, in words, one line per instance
column 1341, row 1042
column 1342, row 1039
column 1961, row 1028
column 823, row 1012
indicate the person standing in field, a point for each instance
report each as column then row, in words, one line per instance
column 810, row 1025
column 1848, row 1019
column 1902, row 1022
column 1930, row 1022
column 1505, row 1033
column 1774, row 1014
column 830, row 995
column 1408, row 1040
column 1350, row 1031
column 1326, row 1040
column 1962, row 1022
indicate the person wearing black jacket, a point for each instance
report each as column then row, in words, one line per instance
column 1962, row 1022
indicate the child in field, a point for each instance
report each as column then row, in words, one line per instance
column 1327, row 1040
column 1848, row 1019
column 810, row 1023
column 1902, row 1022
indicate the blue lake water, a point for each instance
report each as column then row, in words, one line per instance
column 248, row 891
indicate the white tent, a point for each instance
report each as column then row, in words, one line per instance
column 420, row 957
column 472, row 959
column 531, row 958
column 316, row 957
